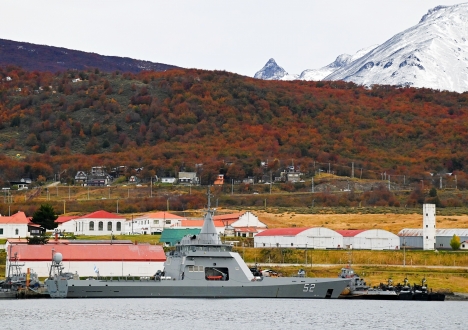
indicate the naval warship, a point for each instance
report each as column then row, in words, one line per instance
column 201, row 266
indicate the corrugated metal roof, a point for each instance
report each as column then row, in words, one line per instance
column 410, row 232
column 349, row 232
column 169, row 234
column 91, row 252
column 283, row 231
column 199, row 223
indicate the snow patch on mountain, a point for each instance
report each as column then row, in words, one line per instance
column 341, row 61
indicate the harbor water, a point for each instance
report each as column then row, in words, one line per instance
column 221, row 314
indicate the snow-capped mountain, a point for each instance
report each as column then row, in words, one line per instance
column 272, row 71
column 432, row 54
column 341, row 61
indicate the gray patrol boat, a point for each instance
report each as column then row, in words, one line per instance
column 201, row 266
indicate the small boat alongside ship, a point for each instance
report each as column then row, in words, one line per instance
column 358, row 289
column 201, row 266
column 19, row 284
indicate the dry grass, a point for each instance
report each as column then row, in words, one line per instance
column 391, row 222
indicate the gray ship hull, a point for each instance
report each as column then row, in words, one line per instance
column 299, row 288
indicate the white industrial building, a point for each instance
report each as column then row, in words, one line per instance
column 414, row 238
column 89, row 258
column 313, row 238
column 372, row 239
column 429, row 237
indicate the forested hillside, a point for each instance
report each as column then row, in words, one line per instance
column 173, row 120
column 48, row 58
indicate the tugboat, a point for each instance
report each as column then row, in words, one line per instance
column 200, row 267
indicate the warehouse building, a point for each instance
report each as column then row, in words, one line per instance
column 313, row 238
column 413, row 238
column 89, row 258
column 372, row 239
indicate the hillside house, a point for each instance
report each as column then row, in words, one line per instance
column 188, row 178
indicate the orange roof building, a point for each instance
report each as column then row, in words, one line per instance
column 110, row 259
column 95, row 223
column 15, row 225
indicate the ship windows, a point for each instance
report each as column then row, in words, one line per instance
column 91, row 225
column 100, row 226
column 156, row 222
column 195, row 268
column 216, row 274
column 168, row 222
column 1, row 231
column 109, row 226
column 119, row 226
column 16, row 231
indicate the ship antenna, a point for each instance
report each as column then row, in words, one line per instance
column 209, row 198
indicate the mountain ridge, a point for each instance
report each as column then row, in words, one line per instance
column 50, row 58
column 431, row 54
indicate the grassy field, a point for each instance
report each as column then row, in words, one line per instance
column 389, row 221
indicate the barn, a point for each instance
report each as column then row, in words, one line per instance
column 313, row 238
column 117, row 258
column 371, row 239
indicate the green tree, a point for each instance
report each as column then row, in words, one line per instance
column 433, row 192
column 455, row 242
column 45, row 217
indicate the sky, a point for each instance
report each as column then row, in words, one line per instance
column 238, row 36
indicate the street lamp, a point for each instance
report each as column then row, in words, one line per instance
column 404, row 252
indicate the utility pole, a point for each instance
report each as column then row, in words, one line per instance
column 329, row 169
column 313, row 185
column 151, row 183
column 440, row 183
column 389, row 183
column 232, row 186
column 455, row 182
column 352, row 170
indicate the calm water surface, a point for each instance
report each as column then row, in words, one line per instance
column 221, row 314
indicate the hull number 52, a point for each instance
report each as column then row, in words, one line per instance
column 309, row 287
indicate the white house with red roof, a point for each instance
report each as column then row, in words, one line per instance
column 85, row 257
column 241, row 224
column 313, row 238
column 153, row 223
column 15, row 225
column 371, row 239
column 96, row 223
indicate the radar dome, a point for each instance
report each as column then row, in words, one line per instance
column 58, row 257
